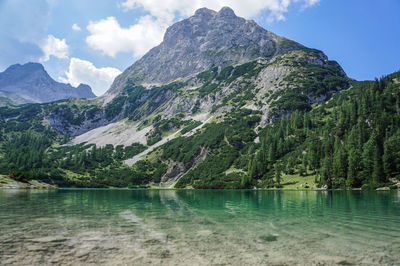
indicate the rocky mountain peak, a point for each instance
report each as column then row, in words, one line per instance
column 19, row 71
column 204, row 12
column 226, row 12
column 206, row 39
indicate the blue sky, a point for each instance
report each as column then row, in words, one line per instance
column 93, row 41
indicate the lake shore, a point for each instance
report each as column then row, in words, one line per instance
column 9, row 183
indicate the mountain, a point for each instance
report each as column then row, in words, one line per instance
column 200, row 42
column 212, row 61
column 30, row 83
column 220, row 103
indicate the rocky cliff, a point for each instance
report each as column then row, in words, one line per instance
column 204, row 40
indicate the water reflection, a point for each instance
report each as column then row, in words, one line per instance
column 200, row 226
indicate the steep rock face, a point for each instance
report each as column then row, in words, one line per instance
column 213, row 63
column 204, row 40
column 30, row 83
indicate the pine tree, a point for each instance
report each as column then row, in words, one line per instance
column 353, row 168
column 377, row 172
column 326, row 172
column 278, row 173
column 367, row 158
column 391, row 156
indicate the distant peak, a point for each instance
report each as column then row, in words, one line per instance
column 226, row 12
column 28, row 66
column 33, row 66
column 83, row 86
column 204, row 12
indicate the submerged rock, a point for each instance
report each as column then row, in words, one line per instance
column 345, row 262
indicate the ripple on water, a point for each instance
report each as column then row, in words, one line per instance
column 199, row 227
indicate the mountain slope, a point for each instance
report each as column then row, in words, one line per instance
column 276, row 79
column 267, row 112
column 30, row 83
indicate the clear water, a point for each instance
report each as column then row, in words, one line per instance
column 139, row 227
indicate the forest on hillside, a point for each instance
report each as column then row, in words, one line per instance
column 351, row 140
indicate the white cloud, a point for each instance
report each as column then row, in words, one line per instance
column 308, row 3
column 51, row 46
column 75, row 27
column 109, row 37
column 167, row 9
column 82, row 71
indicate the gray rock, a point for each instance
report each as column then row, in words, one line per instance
column 325, row 187
column 48, row 239
column 382, row 188
column 36, row 248
column 199, row 42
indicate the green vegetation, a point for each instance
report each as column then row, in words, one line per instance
column 347, row 138
column 318, row 80
column 115, row 107
column 190, row 126
column 136, row 101
column 163, row 127
column 350, row 141
column 213, row 80
column 30, row 150
column 220, row 143
column 30, row 156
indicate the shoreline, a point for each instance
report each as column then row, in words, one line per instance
column 188, row 189
column 8, row 183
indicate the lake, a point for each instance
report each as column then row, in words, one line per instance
column 199, row 227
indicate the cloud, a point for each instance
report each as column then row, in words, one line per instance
column 109, row 37
column 51, row 46
column 168, row 9
column 22, row 24
column 82, row 71
column 75, row 27
column 308, row 3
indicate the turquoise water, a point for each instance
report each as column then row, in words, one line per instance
column 194, row 227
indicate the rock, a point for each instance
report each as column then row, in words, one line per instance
column 36, row 248
column 268, row 238
column 161, row 253
column 382, row 188
column 48, row 239
column 83, row 253
column 345, row 262
column 197, row 43
column 152, row 242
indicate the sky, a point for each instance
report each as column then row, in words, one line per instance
column 93, row 41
